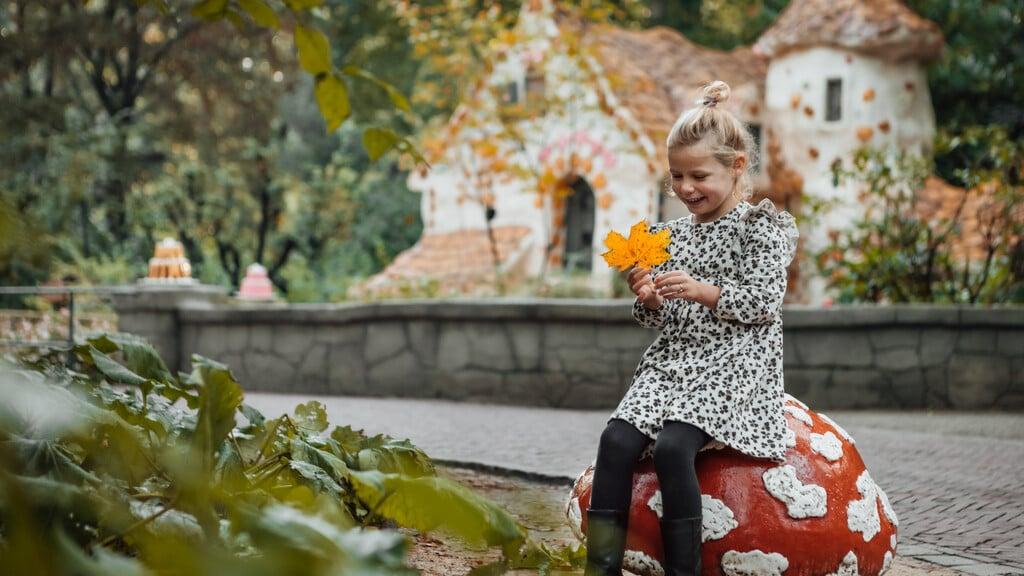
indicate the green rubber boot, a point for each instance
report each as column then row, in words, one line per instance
column 681, row 541
column 606, row 542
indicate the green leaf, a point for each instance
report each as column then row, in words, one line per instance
column 101, row 562
column 350, row 440
column 396, row 97
column 300, row 5
column 229, row 471
column 386, row 454
column 117, row 373
column 281, row 527
column 219, row 398
column 317, row 477
column 44, row 492
column 306, row 452
column 210, row 9
column 332, row 97
column 138, row 354
column 314, row 51
column 262, row 14
column 254, row 416
column 378, row 141
column 431, row 502
column 311, row 417
column 39, row 457
column 235, row 18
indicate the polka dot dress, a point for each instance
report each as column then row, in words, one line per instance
column 720, row 369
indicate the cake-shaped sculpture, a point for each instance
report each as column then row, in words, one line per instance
column 256, row 284
column 169, row 264
column 818, row 514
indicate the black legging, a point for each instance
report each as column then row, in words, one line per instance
column 674, row 453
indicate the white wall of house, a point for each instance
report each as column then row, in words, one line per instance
column 577, row 124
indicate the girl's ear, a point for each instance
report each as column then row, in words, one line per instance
column 740, row 163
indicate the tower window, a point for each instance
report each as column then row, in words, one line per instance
column 512, row 94
column 834, row 100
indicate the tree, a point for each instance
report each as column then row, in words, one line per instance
column 110, row 105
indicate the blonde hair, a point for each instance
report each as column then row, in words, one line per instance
column 729, row 135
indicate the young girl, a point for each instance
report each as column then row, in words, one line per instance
column 714, row 373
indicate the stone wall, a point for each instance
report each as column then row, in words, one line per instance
column 582, row 353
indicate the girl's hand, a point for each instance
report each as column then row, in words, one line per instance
column 679, row 285
column 642, row 285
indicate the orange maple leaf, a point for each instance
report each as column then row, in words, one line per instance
column 641, row 249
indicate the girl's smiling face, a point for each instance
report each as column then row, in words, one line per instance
column 701, row 182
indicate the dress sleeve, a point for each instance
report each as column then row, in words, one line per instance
column 657, row 319
column 769, row 240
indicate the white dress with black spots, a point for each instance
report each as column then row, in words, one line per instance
column 720, row 369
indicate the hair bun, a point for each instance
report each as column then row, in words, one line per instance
column 714, row 93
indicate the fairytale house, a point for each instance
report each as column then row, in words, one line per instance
column 563, row 141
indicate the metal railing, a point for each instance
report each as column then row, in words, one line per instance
column 71, row 291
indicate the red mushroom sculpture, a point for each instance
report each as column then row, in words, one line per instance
column 819, row 513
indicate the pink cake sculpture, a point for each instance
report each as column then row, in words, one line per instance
column 256, row 285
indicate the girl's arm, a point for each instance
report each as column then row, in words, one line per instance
column 757, row 298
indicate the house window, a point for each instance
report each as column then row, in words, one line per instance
column 834, row 100
column 579, row 227
column 755, row 131
column 512, row 92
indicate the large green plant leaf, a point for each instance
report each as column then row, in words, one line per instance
column 431, row 502
column 219, row 397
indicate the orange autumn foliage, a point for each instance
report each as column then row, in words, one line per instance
column 641, row 249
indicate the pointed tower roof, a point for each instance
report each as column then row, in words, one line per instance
column 884, row 28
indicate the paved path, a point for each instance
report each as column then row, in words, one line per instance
column 955, row 479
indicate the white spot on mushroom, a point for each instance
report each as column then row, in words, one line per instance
column 838, row 428
column 639, row 563
column 753, row 563
column 718, row 519
column 828, row 445
column 887, row 508
column 848, row 567
column 862, row 515
column 801, row 500
column 655, row 503
column 886, row 562
column 790, row 438
column 572, row 511
column 800, row 415
column 892, row 541
column 797, row 402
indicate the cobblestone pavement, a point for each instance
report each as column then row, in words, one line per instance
column 955, row 479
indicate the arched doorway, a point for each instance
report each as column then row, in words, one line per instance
column 579, row 227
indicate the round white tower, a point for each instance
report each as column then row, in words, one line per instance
column 845, row 74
